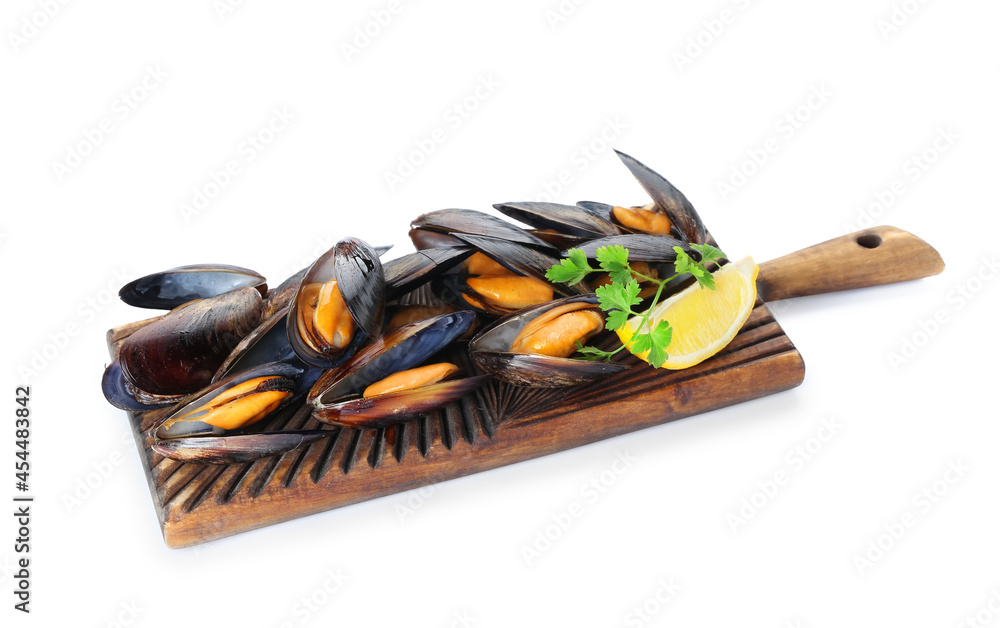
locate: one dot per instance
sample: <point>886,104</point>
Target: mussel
<point>531,347</point>
<point>403,274</point>
<point>180,352</point>
<point>666,199</point>
<point>210,427</point>
<point>232,403</point>
<point>565,219</point>
<point>177,286</point>
<point>340,296</point>
<point>522,285</point>
<point>454,222</point>
<point>380,386</point>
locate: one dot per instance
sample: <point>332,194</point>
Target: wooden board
<point>502,424</point>
<point>498,425</point>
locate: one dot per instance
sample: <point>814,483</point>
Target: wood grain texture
<point>872,257</point>
<point>498,425</point>
<point>502,424</point>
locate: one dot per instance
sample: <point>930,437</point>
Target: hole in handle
<point>869,240</point>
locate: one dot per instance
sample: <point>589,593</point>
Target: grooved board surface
<point>497,425</point>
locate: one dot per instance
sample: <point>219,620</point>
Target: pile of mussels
<point>230,352</point>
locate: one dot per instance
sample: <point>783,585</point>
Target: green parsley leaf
<point>686,264</point>
<point>615,296</point>
<point>593,353</point>
<point>616,320</point>
<point>709,253</point>
<point>640,343</point>
<point>614,261</point>
<point>571,270</point>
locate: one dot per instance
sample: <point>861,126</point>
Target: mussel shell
<point>236,449</point>
<point>406,273</point>
<point>281,297</point>
<point>385,410</point>
<point>284,379</point>
<point>641,247</point>
<point>566,219</point>
<point>491,352</point>
<point>426,239</point>
<point>559,240</point>
<point>355,266</point>
<point>668,199</point>
<point>398,350</point>
<point>522,260</point>
<point>171,288</point>
<point>471,222</point>
<point>601,210</point>
<point>180,352</point>
<point>361,281</point>
<point>118,392</point>
<point>267,343</point>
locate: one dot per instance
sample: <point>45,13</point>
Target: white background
<point>70,239</point>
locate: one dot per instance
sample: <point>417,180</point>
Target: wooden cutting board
<point>502,424</point>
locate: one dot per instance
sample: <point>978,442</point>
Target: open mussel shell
<point>641,247</point>
<point>470,222</point>
<point>361,282</point>
<point>236,449</point>
<point>521,260</point>
<point>232,403</point>
<point>567,219</point>
<point>171,288</point>
<point>668,199</point>
<point>398,350</point>
<point>389,409</point>
<point>491,351</point>
<point>180,352</point>
<point>405,273</point>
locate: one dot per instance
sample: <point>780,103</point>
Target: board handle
<point>871,257</point>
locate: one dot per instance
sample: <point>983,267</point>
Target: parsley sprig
<point>619,297</point>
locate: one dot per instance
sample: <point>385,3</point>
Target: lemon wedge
<point>703,320</point>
